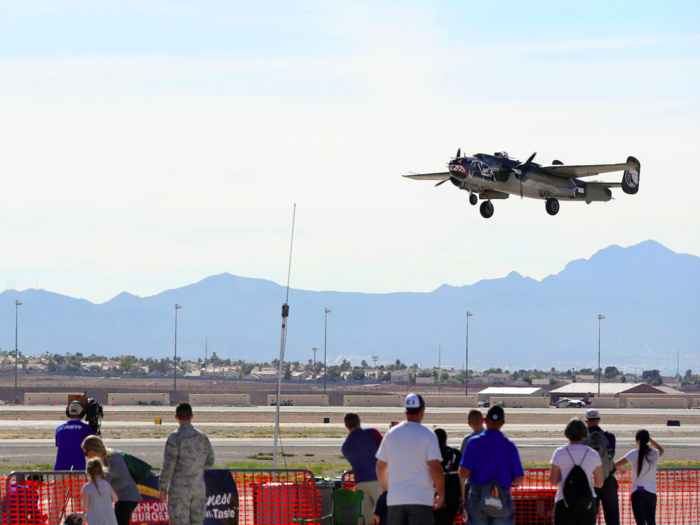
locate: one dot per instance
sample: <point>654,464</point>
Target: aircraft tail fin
<point>630,179</point>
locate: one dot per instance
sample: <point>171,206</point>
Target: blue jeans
<point>476,517</point>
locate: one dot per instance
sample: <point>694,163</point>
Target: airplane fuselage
<point>495,177</point>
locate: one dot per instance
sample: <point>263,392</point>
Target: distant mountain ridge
<point>648,293</point>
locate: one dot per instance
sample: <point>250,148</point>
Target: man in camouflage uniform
<point>188,453</point>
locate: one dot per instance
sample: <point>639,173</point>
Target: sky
<point>147,145</point>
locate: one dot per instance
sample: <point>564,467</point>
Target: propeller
<point>442,181</point>
<point>459,152</point>
<point>520,171</point>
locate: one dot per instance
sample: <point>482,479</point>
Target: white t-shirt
<point>407,448</point>
<point>648,474</point>
<point>583,456</point>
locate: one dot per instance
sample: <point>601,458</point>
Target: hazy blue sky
<point>146,145</point>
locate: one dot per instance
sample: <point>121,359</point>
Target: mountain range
<point>648,293</point>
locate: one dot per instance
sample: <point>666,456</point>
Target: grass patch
<point>268,456</point>
<point>325,469</point>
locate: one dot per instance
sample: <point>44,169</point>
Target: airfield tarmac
<point>241,434</point>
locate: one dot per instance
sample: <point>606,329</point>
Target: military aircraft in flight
<point>498,176</point>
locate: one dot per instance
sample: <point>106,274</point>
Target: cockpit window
<point>501,154</point>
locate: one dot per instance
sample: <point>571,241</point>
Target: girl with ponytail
<point>98,496</point>
<point>644,461</point>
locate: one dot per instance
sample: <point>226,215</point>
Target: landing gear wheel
<point>552,206</point>
<point>486,209</point>
<point>473,199</point>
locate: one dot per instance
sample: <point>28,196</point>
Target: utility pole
<point>18,303</point>
<point>439,370</point>
<point>600,318</point>
<point>206,373</point>
<point>325,337</point>
<point>314,350</point>
<point>177,307</point>
<point>678,366</point>
<point>375,358</point>
<point>466,367</point>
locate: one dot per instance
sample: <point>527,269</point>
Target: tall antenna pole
<point>177,307</point>
<point>678,365</point>
<point>18,303</point>
<point>206,374</point>
<point>283,344</point>
<point>325,338</point>
<point>439,369</point>
<point>314,350</point>
<point>466,367</point>
<point>600,318</point>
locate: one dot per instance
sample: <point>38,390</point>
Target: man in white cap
<point>604,444</point>
<point>69,438</point>
<point>409,466</point>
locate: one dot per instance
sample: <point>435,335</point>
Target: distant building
<point>586,379</point>
<point>498,379</point>
<point>400,376</point>
<point>578,390</point>
<point>425,380</point>
<point>511,391</point>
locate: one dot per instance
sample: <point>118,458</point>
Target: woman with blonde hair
<point>118,477</point>
<point>98,496</point>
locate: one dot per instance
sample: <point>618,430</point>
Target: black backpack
<point>577,488</point>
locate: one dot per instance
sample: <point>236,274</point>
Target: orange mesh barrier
<point>265,497</point>
<point>678,497</point>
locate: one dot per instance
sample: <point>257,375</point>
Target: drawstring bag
<point>138,468</point>
<point>492,501</point>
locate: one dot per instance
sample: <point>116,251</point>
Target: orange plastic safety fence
<point>678,498</point>
<point>266,497</point>
<point>276,497</point>
<point>40,500</point>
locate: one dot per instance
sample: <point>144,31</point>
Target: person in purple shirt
<point>69,438</point>
<point>360,449</point>
<point>489,456</point>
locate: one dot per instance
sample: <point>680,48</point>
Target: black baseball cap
<point>496,414</point>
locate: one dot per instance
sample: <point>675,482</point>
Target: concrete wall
<point>604,402</point>
<point>521,402</point>
<point>219,399</point>
<point>696,401</point>
<point>657,402</point>
<point>450,401</point>
<point>42,398</point>
<point>134,399</point>
<point>373,401</point>
<point>626,398</point>
<point>302,400</point>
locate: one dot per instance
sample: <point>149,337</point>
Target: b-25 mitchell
<point>497,176</point>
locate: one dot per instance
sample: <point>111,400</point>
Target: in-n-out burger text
<point>150,512</point>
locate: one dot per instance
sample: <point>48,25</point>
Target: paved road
<point>341,410</point>
<point>14,453</point>
<point>17,425</point>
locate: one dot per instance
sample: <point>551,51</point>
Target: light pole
<point>466,368</point>
<point>18,303</point>
<point>600,318</point>
<point>314,350</point>
<point>326,311</point>
<point>177,307</point>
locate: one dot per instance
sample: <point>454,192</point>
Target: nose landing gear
<point>473,199</point>
<point>486,209</point>
<point>552,206</point>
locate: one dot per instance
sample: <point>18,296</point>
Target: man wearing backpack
<point>492,465</point>
<point>604,444</point>
<point>576,469</point>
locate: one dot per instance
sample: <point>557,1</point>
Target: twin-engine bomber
<point>498,176</point>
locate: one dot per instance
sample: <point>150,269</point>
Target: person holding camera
<point>118,477</point>
<point>69,437</point>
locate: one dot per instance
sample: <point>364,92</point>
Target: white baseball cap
<point>592,414</point>
<point>413,402</point>
<point>75,408</point>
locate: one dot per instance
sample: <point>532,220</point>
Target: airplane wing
<point>572,172</point>
<point>604,184</point>
<point>428,176</point>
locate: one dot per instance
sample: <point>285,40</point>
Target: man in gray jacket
<point>188,453</point>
